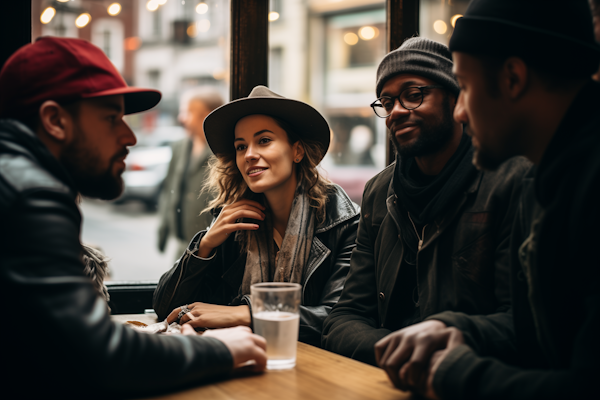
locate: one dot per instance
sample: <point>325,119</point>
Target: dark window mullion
<point>402,21</point>
<point>15,27</point>
<point>249,64</point>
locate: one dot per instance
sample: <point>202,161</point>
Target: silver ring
<point>184,310</point>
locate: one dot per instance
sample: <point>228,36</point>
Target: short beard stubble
<point>433,137</point>
<point>82,163</point>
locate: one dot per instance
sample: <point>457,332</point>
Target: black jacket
<point>217,280</point>
<point>547,346</point>
<point>58,339</point>
<point>462,266</point>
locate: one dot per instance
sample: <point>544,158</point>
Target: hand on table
<point>226,223</point>
<point>243,345</point>
<point>204,315</point>
<point>411,355</point>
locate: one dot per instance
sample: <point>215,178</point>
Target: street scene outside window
<point>323,52</point>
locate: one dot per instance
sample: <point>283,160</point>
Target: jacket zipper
<point>422,237</point>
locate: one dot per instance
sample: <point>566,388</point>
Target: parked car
<point>147,165</point>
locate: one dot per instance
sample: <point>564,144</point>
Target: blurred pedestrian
<point>181,200</point>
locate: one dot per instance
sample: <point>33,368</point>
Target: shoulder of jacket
<point>339,209</point>
<point>518,165</point>
<point>512,171</point>
<point>20,175</point>
<point>376,188</point>
<point>381,180</point>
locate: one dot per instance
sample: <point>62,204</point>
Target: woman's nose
<point>251,153</point>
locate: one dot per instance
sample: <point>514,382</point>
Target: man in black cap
<point>62,134</point>
<point>433,232</point>
<point>524,68</point>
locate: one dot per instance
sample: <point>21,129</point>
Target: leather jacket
<point>63,342</point>
<point>217,280</point>
<point>462,265</point>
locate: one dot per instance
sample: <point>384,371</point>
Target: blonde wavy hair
<point>227,183</point>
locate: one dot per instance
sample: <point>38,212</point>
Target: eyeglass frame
<point>394,98</point>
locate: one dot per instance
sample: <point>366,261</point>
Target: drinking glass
<point>275,313</point>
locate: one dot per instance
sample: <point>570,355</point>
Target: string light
<point>47,15</point>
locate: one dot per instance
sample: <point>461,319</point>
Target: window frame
<point>249,63</point>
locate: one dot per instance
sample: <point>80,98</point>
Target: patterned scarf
<point>263,265</point>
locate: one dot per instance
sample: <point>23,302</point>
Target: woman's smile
<point>264,155</point>
<point>254,172</point>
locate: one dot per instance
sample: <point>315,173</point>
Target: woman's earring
<point>297,160</point>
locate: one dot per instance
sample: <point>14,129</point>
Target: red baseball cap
<point>64,70</point>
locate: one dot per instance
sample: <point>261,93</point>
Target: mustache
<point>121,154</point>
<point>397,124</point>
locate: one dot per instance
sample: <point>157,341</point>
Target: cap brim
<point>308,123</point>
<point>136,99</point>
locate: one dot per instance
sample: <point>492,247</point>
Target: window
<point>109,35</point>
<point>301,39</point>
<point>437,19</point>
<point>151,47</point>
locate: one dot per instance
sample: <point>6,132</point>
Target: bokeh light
<point>454,18</point>
<point>440,27</point>
<point>203,25</point>
<point>114,9</point>
<point>83,20</point>
<point>152,5</point>
<point>351,38</point>
<point>273,16</point>
<point>47,15</point>
<point>368,32</point>
<point>202,8</point>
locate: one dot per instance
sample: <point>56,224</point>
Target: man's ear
<point>514,77</point>
<point>298,151</point>
<point>55,121</point>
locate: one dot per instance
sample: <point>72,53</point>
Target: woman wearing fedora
<point>277,219</point>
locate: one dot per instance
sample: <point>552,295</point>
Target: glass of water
<point>275,312</point>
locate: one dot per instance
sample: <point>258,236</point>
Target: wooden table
<point>318,374</point>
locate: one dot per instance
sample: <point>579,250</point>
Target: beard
<point>433,136</point>
<point>85,167</point>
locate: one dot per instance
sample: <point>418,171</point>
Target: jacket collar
<point>473,188</point>
<point>339,209</point>
<point>17,138</point>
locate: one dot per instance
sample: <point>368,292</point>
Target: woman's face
<point>264,155</point>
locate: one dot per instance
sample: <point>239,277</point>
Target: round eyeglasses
<point>410,98</point>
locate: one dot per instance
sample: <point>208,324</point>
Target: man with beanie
<point>62,134</point>
<point>525,72</point>
<point>433,232</point>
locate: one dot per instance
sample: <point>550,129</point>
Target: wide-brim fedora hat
<point>307,122</point>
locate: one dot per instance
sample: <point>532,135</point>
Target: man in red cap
<point>62,134</point>
<point>524,68</point>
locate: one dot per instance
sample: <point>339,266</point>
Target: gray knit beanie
<point>421,57</point>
